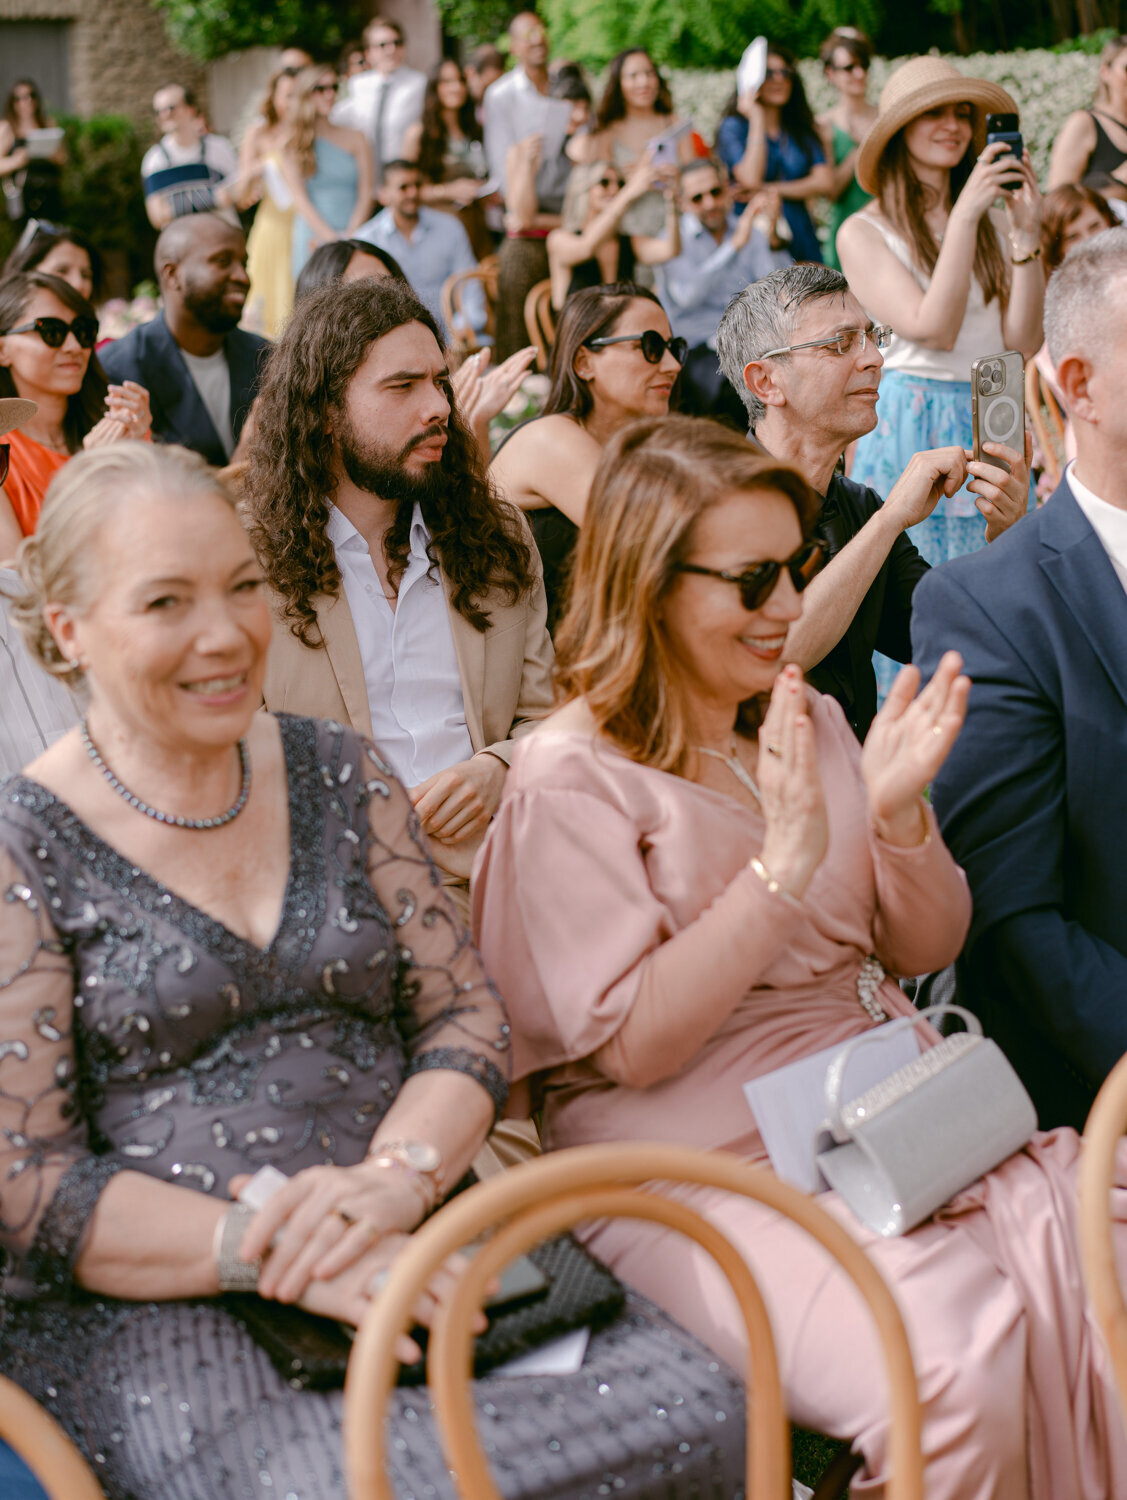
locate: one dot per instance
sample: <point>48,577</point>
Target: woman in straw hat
<point>955,277</point>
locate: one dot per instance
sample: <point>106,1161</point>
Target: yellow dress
<point>270,256</point>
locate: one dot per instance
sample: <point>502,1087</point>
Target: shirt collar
<point>1109,521</point>
<point>344,536</point>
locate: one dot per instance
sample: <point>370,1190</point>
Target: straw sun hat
<point>14,412</point>
<point>920,85</point>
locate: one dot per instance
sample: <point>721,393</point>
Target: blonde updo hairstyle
<point>57,563</point>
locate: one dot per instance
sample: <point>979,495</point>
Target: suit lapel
<point>469,648</point>
<point>343,650</point>
<point>185,416</point>
<point>1079,569</point>
<point>242,362</point>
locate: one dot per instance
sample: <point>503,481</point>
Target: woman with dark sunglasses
<point>770,137</point>
<point>614,360</point>
<point>846,55</point>
<point>47,337</point>
<point>590,247</point>
<point>696,877</point>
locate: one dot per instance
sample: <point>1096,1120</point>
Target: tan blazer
<point>506,672</point>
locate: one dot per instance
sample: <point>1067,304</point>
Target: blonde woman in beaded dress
<point>674,904</point>
<point>267,973</point>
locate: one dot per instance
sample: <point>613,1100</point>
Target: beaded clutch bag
<point>901,1149</point>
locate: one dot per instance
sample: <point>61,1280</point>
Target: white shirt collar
<point>341,532</point>
<point>1109,522</point>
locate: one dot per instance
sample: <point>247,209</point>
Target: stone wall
<point>119,54</point>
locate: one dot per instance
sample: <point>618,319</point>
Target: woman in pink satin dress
<point>675,898</point>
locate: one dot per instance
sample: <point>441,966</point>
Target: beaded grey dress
<point>138,1033</point>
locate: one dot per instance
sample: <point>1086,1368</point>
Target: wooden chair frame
<point>544,1197</point>
<point>1040,400</point>
<point>1102,1134</point>
<point>43,1445</point>
<point>464,340</point>
<point>540,322</point>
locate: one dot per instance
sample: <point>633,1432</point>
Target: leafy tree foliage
<point>207,29</point>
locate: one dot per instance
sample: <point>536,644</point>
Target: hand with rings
<point>324,1220</point>
<point>910,739</point>
<point>794,808</point>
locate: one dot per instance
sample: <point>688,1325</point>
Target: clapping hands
<point>794,807</point>
<point>910,739</point>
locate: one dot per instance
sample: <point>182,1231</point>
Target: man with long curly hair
<point>409,596</point>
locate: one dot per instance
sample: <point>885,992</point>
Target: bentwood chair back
<point>1102,1135</point>
<point>544,1197</point>
<point>44,1446</point>
<point>540,321</point>
<point>462,339</point>
<point>1047,421</point>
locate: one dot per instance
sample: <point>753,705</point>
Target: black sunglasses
<point>5,453</point>
<point>53,331</point>
<point>653,345</point>
<point>712,192</point>
<point>757,583</point>
<point>609,182</point>
<point>324,88</point>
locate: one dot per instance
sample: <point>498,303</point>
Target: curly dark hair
<point>479,540</point>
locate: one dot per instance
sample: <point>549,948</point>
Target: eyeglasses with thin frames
<point>757,582</point>
<point>845,341</point>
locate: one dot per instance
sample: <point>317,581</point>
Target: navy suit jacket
<point>151,356</point>
<point>1033,798</point>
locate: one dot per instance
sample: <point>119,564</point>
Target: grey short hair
<point>763,317</point>
<point>1078,318</point>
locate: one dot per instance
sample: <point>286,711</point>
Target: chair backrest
<point>1102,1135</point>
<point>1047,421</point>
<point>44,1446</point>
<point>546,1196</point>
<point>540,320</point>
<point>463,340</point>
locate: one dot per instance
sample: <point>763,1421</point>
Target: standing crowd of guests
<point>384,801</point>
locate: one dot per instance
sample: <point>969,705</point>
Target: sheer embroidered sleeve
<point>49,1179</point>
<point>450,1014</point>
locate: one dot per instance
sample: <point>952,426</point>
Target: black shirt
<point>884,614</point>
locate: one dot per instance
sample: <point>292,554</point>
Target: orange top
<point>31,467</point>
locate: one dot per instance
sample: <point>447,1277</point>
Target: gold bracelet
<point>1024,260</point>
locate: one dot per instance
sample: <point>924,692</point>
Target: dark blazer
<point>1033,798</point>
<point>150,355</point>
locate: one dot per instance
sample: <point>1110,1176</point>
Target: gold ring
<point>776,750</point>
<point>344,1216</point>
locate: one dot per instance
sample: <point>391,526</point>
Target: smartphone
<point>1004,128</point>
<point>521,1281</point>
<point>997,399</point>
<point>663,148</point>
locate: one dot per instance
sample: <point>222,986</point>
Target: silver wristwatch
<point>235,1275</point>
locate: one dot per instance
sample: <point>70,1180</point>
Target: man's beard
<point>378,471</point>
<point>212,312</point>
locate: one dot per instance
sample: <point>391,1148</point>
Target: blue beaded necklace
<point>162,817</point>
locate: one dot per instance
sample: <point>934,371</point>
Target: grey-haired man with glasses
<point>805,359</point>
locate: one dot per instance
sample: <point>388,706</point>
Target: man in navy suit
<point>1033,798</point>
<point>200,368</point>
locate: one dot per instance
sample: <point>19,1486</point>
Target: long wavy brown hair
<point>303,139</point>
<point>904,202</point>
<point>478,539</point>
<point>655,480</point>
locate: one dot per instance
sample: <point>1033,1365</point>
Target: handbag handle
<point>835,1073</point>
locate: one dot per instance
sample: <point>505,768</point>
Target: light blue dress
<point>332,191</point>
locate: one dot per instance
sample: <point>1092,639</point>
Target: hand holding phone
<point>1003,128</point>
<point>997,393</point>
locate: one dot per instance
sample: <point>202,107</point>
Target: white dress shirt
<point>1109,522</point>
<point>35,708</point>
<point>438,249</point>
<point>410,665</point>
<point>394,100</point>
<point>514,108</point>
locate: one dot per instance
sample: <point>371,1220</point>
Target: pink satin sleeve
<point>575,937</point>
